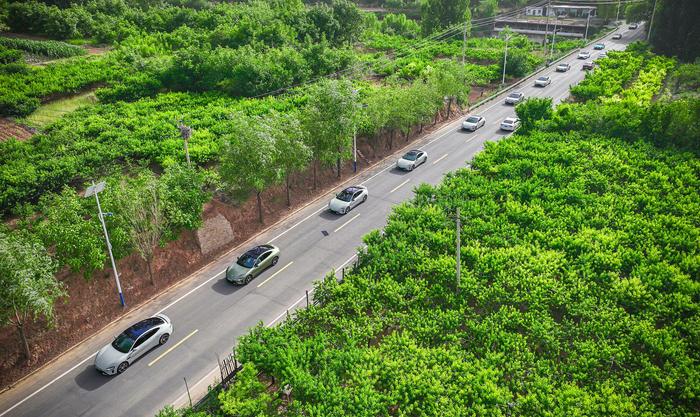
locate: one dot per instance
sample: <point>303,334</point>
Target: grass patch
<point>50,112</point>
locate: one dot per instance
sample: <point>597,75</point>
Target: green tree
<point>532,111</point>
<point>329,117</point>
<point>293,155</point>
<point>675,29</point>
<point>142,209</point>
<point>28,288</point>
<point>69,224</point>
<point>249,158</point>
<point>248,397</point>
<point>439,14</point>
<point>183,194</point>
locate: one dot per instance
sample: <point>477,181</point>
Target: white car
<point>348,199</point>
<point>584,55</point>
<point>617,36</point>
<point>412,159</point>
<point>133,343</point>
<point>510,123</point>
<point>543,81</point>
<point>473,122</point>
<point>563,67</point>
<point>515,98</point>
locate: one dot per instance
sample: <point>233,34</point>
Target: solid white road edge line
<point>346,223</point>
<point>399,186</point>
<point>440,159</point>
<point>173,347</point>
<point>275,274</point>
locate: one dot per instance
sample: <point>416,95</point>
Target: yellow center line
<point>440,159</point>
<point>399,186</point>
<point>346,223</point>
<point>173,347</point>
<point>275,274</point>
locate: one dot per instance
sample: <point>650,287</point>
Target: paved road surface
<point>209,313</point>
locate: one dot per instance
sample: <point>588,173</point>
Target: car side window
<point>264,256</point>
<point>145,337</point>
<point>357,195</point>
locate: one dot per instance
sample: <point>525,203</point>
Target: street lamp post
<point>95,189</point>
<point>186,132</point>
<point>651,22</point>
<point>554,37</point>
<point>588,19</point>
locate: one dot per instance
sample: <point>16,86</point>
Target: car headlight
<point>110,369</point>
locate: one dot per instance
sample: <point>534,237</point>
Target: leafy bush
<point>51,49</point>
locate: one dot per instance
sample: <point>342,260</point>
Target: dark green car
<point>252,263</point>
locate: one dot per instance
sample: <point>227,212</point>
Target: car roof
<point>258,250</point>
<point>414,151</point>
<point>516,93</point>
<point>510,119</point>
<point>543,77</point>
<point>142,327</point>
<point>353,189</point>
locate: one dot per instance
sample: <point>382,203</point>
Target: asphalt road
<point>209,314</point>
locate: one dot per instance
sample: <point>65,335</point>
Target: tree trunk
<point>420,129</point>
<point>22,337</point>
<point>149,264</point>
<point>337,164</point>
<point>449,108</point>
<point>314,164</point>
<point>260,213</point>
<point>435,119</point>
<point>391,138</point>
<point>286,181</point>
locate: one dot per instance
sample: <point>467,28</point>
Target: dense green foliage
<point>579,295</point>
<point>51,49</point>
<point>21,93</point>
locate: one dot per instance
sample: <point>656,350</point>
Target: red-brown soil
<point>10,129</point>
<point>91,304</point>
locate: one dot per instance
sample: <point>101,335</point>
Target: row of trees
<point>145,212</point>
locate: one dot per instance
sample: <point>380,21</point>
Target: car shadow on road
<point>224,287</point>
<point>329,215</point>
<point>91,379</point>
<point>398,171</point>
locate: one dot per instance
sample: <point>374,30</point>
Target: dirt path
<point>10,129</point>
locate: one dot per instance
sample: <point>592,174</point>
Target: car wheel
<point>248,278</point>
<point>410,168</point>
<point>122,367</point>
<point>274,260</point>
<point>364,198</point>
<point>163,339</point>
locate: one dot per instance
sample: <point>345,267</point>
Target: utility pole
<point>354,146</point>
<point>459,250</point>
<point>186,132</point>
<point>546,27</point>
<point>464,42</point>
<point>651,22</point>
<point>505,61</point>
<point>588,19</point>
<point>96,189</point>
<point>617,17</point>
<point>554,37</point>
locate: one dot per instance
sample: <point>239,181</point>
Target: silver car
<point>543,81</point>
<point>252,263</point>
<point>473,122</point>
<point>133,343</point>
<point>515,98</point>
<point>563,67</point>
<point>510,124</point>
<point>412,159</point>
<point>584,55</point>
<point>348,199</point>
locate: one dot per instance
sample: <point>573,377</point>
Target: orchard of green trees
<point>579,292</point>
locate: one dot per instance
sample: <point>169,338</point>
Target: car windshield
<point>514,95</point>
<point>123,343</point>
<point>410,156</point>
<point>345,195</point>
<point>246,261</point>
<point>473,119</point>
<point>509,121</point>
<point>542,79</point>
<point>563,65</point>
